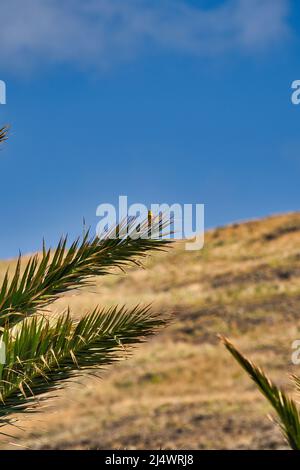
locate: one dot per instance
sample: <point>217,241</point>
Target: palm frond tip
<point>285,407</point>
<point>3,134</point>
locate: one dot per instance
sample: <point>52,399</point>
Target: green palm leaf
<point>42,356</point>
<point>285,407</point>
<point>44,278</point>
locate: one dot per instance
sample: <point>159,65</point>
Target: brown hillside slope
<point>183,390</point>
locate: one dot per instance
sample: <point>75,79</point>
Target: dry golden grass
<point>182,390</point>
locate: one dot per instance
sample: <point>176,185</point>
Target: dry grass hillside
<point>182,389</point>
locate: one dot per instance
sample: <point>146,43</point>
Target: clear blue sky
<point>163,101</point>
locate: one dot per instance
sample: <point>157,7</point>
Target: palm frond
<point>47,276</point>
<point>42,356</point>
<point>3,134</point>
<point>285,407</point>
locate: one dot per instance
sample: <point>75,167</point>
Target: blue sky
<point>163,101</point>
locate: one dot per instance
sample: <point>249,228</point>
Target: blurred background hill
<point>182,389</point>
